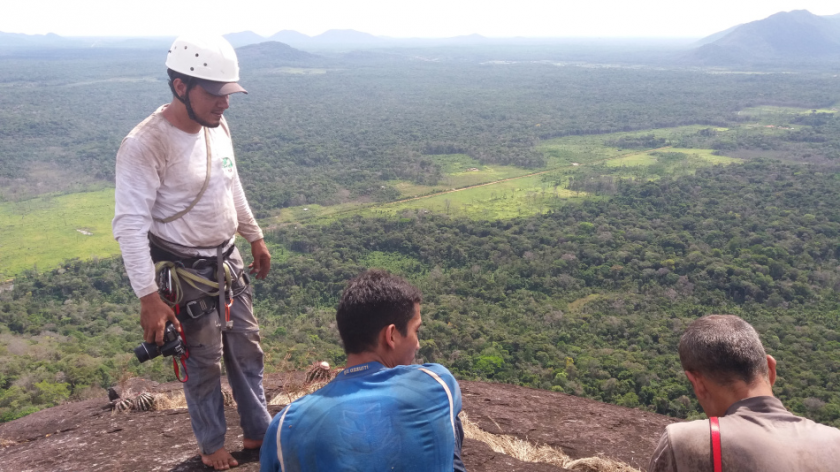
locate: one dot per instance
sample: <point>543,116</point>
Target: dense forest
<point>344,127</point>
<point>588,299</point>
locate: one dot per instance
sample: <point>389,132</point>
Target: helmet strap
<point>186,98</point>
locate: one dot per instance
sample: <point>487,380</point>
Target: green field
<point>769,111</point>
<point>470,189</point>
<point>649,159</point>
<point>508,199</point>
<point>44,231</point>
<point>568,150</point>
<point>459,171</point>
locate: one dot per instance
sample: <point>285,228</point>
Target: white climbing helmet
<point>209,58</point>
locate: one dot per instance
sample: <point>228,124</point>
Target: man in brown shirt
<point>733,378</point>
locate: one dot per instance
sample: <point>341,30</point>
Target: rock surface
<point>579,426</point>
<point>87,436</point>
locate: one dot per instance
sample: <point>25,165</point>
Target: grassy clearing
<point>461,171</point>
<point>45,231</point>
<point>692,156</point>
<point>500,192</point>
<point>509,199</point>
<point>562,152</point>
<point>311,213</point>
<point>633,160</point>
<point>771,111</point>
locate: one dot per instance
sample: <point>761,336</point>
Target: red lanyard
<point>182,359</point>
<point>717,461</point>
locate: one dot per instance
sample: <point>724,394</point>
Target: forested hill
<point>589,299</point>
<point>273,54</point>
<point>786,37</point>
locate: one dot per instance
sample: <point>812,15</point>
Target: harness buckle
<point>199,308</point>
<point>200,264</point>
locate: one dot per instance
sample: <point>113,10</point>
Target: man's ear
<point>388,337</point>
<point>697,381</point>
<point>771,369</point>
<point>180,87</point>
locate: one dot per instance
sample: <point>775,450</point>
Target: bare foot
<point>219,460</point>
<point>251,443</point>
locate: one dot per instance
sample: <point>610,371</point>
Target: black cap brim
<point>220,88</point>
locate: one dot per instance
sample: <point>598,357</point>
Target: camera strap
<point>181,359</point>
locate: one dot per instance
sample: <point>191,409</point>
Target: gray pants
<point>208,341</point>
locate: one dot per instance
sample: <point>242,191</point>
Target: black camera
<point>172,346</point>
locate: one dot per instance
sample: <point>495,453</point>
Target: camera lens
<point>146,351</point>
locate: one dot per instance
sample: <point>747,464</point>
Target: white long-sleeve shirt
<point>160,171</point>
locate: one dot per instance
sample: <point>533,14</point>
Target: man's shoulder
<point>438,370</point>
<point>154,126</point>
<point>684,430</point>
<point>432,376</point>
<point>810,427</point>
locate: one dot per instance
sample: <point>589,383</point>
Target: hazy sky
<point>397,18</point>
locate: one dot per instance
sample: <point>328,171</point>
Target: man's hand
<point>154,314</point>
<point>262,259</point>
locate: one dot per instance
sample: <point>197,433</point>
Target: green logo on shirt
<point>227,164</point>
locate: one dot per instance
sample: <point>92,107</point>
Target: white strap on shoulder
<point>279,443</point>
<point>448,395</point>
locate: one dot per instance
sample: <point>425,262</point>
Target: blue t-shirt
<point>371,418</point>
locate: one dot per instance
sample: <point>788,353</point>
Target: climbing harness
<point>176,274</point>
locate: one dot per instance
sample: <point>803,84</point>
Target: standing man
<point>179,204</point>
<point>749,429</point>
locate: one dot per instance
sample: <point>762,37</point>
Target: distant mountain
<point>336,36</point>
<point>272,54</point>
<point>34,40</point>
<point>289,37</point>
<point>470,39</point>
<point>714,37</point>
<point>244,38</point>
<point>156,43</point>
<point>795,36</point>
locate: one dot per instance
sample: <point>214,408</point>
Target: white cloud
<point>398,18</point>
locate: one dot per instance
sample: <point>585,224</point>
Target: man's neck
<point>728,396</point>
<point>176,114</point>
<point>363,358</point>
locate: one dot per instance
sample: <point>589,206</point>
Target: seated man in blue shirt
<point>381,413</point>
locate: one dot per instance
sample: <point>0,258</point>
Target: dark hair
<point>173,74</point>
<point>724,348</point>
<point>371,301</point>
